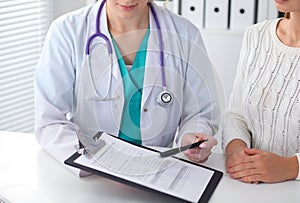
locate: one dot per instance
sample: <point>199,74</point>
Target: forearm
<point>54,132</point>
<point>59,141</point>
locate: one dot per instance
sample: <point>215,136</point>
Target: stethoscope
<point>164,98</point>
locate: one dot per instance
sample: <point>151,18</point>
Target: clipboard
<point>186,171</point>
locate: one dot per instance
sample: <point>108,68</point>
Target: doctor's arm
<point>201,109</point>
<point>54,81</point>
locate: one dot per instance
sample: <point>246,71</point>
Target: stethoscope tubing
<point>110,50</point>
<point>161,48</point>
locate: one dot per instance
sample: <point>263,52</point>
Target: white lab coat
<point>63,85</point>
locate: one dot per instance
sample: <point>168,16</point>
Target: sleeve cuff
<point>298,157</point>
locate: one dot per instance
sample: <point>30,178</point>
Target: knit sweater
<point>264,108</point>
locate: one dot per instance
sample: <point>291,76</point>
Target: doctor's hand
<point>198,154</point>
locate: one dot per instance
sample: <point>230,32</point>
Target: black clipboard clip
<point>87,145</point>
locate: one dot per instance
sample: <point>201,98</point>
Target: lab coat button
<point>145,109</point>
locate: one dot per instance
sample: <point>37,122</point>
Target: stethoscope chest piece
<point>165,98</point>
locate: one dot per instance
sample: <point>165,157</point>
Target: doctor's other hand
<point>198,154</point>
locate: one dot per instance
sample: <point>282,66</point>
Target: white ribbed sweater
<point>264,108</point>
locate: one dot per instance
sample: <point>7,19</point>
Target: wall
<point>223,49</point>
<point>223,45</point>
<point>63,6</point>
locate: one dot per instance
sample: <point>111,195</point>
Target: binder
<point>266,10</point>
<point>272,12</point>
<point>216,14</point>
<point>194,11</point>
<point>176,6</point>
<point>141,167</point>
<point>242,14</point>
<point>262,10</point>
<point>88,2</point>
<point>166,4</point>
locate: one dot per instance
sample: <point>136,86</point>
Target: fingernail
<point>203,145</point>
<point>187,152</point>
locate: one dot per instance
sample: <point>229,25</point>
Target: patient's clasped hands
<point>254,166</point>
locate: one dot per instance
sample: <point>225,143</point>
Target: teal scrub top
<point>133,88</point>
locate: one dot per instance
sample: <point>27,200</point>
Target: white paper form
<point>147,168</point>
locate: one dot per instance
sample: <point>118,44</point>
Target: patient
<point>261,137</point>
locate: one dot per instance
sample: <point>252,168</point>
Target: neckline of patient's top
<point>277,42</point>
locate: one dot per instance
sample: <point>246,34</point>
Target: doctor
<point>128,68</point>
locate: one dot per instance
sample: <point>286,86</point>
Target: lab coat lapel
<point>116,88</point>
<point>101,42</point>
<point>104,29</point>
<point>153,70</point>
<point>116,83</point>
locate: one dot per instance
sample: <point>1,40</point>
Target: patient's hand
<point>253,166</point>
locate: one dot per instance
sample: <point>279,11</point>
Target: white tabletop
<point>26,169</point>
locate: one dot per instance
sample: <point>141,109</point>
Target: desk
<point>24,163</point>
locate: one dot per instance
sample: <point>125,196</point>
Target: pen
<point>177,150</point>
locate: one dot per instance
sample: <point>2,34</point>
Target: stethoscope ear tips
<point>165,98</point>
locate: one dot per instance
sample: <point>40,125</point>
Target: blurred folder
<point>194,11</point>
<point>242,14</point>
<point>263,8</point>
<point>216,14</point>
